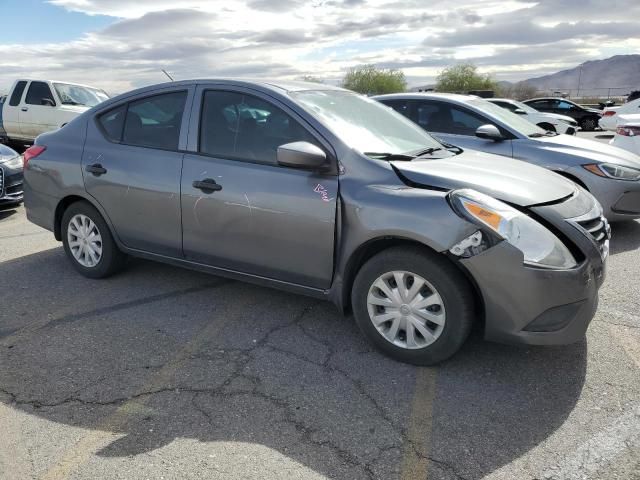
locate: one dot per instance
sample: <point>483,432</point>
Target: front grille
<point>598,228</point>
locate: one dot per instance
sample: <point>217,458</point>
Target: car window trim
<point>331,156</point>
<point>98,115</point>
<point>55,104</point>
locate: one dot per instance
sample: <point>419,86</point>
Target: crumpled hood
<point>590,150</point>
<point>512,181</point>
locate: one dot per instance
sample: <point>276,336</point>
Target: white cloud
<point>291,38</point>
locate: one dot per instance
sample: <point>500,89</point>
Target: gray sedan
<point>326,193</point>
<point>611,174</point>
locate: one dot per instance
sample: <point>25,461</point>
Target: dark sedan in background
<point>10,177</point>
<point>586,117</point>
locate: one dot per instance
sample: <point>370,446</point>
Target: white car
<point>628,133</point>
<point>37,106</point>
<point>611,115</point>
<point>549,121</point>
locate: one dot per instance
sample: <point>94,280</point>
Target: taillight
<point>32,152</point>
<point>609,113</point>
<point>627,131</point>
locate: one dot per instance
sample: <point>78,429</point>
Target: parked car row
<point>551,122</point>
<point>324,192</point>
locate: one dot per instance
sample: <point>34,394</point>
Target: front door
<point>256,217</point>
<point>132,165</point>
<point>456,125</point>
<point>38,113</point>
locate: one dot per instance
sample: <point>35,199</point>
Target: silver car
<point>323,192</point>
<point>611,174</point>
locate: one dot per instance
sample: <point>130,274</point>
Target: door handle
<point>96,169</point>
<point>208,185</point>
<point>24,109</point>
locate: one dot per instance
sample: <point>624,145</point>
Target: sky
<point>121,44</point>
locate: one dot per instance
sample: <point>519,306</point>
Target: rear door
<point>131,164</point>
<point>262,219</point>
<point>11,111</point>
<point>38,111</point>
<point>457,125</point>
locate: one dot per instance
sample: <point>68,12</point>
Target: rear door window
<point>400,106</point>
<point>16,96</point>
<point>445,118</point>
<point>154,121</point>
<point>39,93</point>
<point>243,127</point>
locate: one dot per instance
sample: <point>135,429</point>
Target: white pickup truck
<point>33,107</point>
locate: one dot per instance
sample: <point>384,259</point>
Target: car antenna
<point>165,72</point>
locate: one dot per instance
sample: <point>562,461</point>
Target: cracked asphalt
<point>164,373</point>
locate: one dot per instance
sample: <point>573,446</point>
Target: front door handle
<point>208,185</point>
<point>96,169</point>
<point>24,109</point>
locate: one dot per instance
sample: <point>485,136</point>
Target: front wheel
<point>413,304</point>
<point>589,124</point>
<point>88,242</point>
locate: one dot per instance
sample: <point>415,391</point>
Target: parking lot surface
<point>165,373</point>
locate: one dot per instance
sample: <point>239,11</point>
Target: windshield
<point>524,106</point>
<point>77,95</point>
<point>364,124</point>
<point>512,120</point>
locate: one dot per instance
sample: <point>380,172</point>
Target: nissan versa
<point>611,174</point>
<point>324,192</point>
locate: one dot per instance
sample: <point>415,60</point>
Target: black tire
<point>588,124</point>
<point>547,126</point>
<point>452,286</point>
<point>112,259</point>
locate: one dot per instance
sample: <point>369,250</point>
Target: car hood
<point>590,150</point>
<point>509,180</point>
<point>75,108</point>
<point>557,116</point>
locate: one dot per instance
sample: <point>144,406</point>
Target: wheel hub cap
<point>406,309</point>
<point>85,241</point>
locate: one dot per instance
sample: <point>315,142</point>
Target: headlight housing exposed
<point>613,170</point>
<point>14,163</point>
<point>541,248</point>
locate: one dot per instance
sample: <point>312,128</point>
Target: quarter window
<point>16,96</point>
<point>154,121</point>
<point>112,123</point>
<point>39,93</point>
<point>243,127</point>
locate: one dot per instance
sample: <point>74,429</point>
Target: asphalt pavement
<point>165,373</point>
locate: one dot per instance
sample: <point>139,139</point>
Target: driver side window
<point>446,118</point>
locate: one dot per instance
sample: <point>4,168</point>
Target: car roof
<point>453,97</point>
<point>548,98</point>
<point>57,81</point>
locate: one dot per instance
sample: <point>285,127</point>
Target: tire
<point>452,305</point>
<point>547,126</point>
<point>110,259</point>
<point>589,124</point>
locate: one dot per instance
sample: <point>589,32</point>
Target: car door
<point>456,125</point>
<point>12,110</point>
<point>543,105</point>
<point>257,217</point>
<point>132,162</point>
<point>38,112</point>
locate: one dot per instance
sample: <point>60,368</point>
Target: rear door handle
<point>96,169</point>
<point>208,185</point>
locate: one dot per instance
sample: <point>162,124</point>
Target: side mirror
<point>47,102</point>
<point>519,111</point>
<point>303,155</point>
<point>489,132</point>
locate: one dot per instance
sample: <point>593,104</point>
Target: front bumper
<point>539,306</point>
<point>11,183</point>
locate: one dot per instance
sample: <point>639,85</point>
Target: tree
<point>369,80</point>
<point>518,91</point>
<point>462,78</point>
<point>311,78</point>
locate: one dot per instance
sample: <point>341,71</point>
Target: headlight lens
<point>541,248</point>
<point>14,163</point>
<point>613,170</point>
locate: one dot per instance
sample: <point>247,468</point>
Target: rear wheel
<point>413,304</point>
<point>589,123</point>
<point>88,242</point>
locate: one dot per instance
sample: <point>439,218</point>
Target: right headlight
<point>613,170</point>
<point>541,248</point>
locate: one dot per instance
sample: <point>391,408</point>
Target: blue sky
<point>120,44</point>
<point>36,21</point>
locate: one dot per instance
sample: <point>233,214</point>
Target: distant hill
<point>616,76</point>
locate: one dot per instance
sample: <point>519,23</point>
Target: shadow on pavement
<point>625,236</point>
<point>6,212</point>
<point>158,353</point>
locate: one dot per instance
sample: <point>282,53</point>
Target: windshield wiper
<point>389,156</point>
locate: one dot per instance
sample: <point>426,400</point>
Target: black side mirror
<point>489,132</point>
<point>47,102</point>
<point>519,111</point>
<point>303,155</point>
